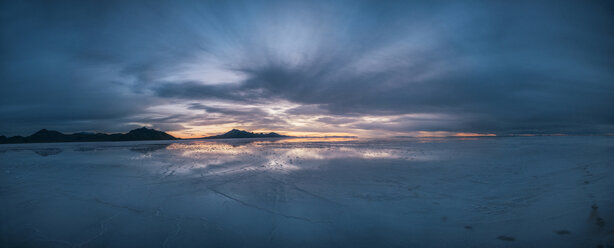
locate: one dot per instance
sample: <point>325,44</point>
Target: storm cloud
<point>308,66</point>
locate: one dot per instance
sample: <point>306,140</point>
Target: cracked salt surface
<point>478,192</point>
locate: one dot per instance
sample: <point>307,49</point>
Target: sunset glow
<point>306,123</point>
<point>308,68</point>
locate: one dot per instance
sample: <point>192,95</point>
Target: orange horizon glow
<point>183,135</point>
<point>474,135</point>
<point>418,134</point>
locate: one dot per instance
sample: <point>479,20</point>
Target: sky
<point>364,68</point>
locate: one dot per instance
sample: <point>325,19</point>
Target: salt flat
<point>430,192</point>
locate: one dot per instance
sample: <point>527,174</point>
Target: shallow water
<point>449,192</point>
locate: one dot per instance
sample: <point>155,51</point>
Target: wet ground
<point>448,192</point>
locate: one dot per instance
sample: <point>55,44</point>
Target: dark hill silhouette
<point>45,135</point>
<point>48,136</point>
<point>235,134</point>
<point>147,134</point>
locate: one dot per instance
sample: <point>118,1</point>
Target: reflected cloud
<point>317,139</point>
<point>280,156</point>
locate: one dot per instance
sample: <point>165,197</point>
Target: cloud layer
<point>358,67</point>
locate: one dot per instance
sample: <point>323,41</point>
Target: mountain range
<point>45,136</point>
<point>235,133</point>
<point>50,136</point>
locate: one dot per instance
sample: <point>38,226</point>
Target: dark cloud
<point>233,111</point>
<point>502,67</point>
<point>194,90</point>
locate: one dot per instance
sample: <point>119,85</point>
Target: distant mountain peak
<point>142,129</point>
<point>45,135</point>
<point>145,133</point>
<point>45,131</point>
<point>236,133</point>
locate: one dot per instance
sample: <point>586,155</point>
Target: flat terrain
<point>478,192</point>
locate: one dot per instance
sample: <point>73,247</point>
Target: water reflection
<point>281,155</point>
<point>282,193</point>
<point>222,146</point>
<point>145,149</point>
<point>41,151</point>
<point>47,151</point>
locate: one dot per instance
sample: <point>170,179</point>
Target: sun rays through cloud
<point>309,68</point>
